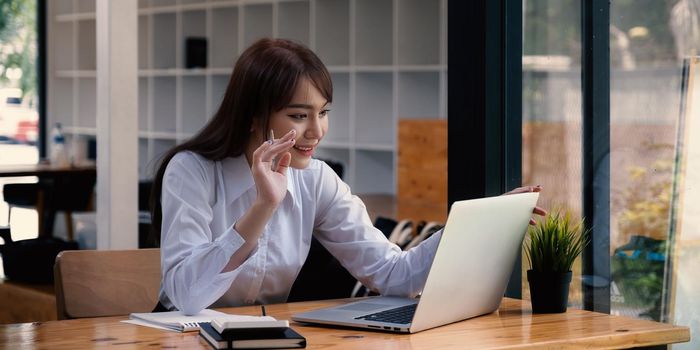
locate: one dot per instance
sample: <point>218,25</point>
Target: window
<point>651,248</point>
<point>551,123</point>
<point>19,119</point>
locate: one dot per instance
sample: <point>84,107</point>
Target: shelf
<point>374,172</point>
<point>87,102</point>
<point>74,17</point>
<point>384,57</point>
<point>144,42</point>
<point>373,109</point>
<point>380,147</point>
<point>156,135</point>
<point>85,6</point>
<point>293,21</point>
<point>62,7</point>
<point>160,146</point>
<point>339,116</point>
<point>373,31</point>
<point>164,103</point>
<point>223,49</point>
<point>164,48</point>
<point>80,131</point>
<point>341,156</point>
<point>328,144</point>
<point>62,101</point>
<point>218,88</point>
<point>144,103</point>
<point>65,51</point>
<point>333,46</point>
<point>193,104</point>
<point>419,95</point>
<point>419,32</point>
<point>144,158</point>
<point>193,26</point>
<point>257,23</point>
<point>87,47</point>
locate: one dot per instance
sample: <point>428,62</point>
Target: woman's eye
<point>298,116</point>
<point>324,112</point>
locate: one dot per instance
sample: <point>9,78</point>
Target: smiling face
<point>307,113</point>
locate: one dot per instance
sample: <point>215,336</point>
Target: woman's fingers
<point>539,211</point>
<point>276,149</point>
<point>270,149</point>
<point>283,163</point>
<point>257,154</point>
<point>525,189</point>
<point>279,145</point>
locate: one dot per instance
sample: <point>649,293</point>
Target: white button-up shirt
<point>201,201</point>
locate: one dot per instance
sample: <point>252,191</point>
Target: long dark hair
<point>263,81</point>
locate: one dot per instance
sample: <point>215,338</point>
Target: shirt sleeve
<point>343,226</point>
<point>191,259</point>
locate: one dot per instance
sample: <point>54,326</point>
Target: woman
<point>239,207</point>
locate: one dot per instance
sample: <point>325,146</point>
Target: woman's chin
<point>298,163</point>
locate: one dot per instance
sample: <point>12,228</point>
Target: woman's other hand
<point>525,189</point>
<point>270,163</point>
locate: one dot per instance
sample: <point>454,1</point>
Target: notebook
<point>252,338</point>
<point>176,320</point>
<point>468,276</point>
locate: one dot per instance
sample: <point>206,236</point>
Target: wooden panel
<point>512,327</point>
<point>93,283</point>
<point>21,302</point>
<point>422,173</point>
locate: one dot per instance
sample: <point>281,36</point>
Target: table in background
<point>44,172</point>
<point>513,326</point>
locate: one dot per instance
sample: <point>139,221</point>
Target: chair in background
<point>146,239</point>
<point>67,193</point>
<point>94,283</point>
<point>25,195</point>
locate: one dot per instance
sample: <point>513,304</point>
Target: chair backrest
<point>72,192</point>
<point>92,283</point>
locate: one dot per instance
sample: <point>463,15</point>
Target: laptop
<point>468,277</point>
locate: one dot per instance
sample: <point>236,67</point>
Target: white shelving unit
<point>387,59</point>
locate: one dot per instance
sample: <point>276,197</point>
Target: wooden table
<point>512,327</point>
<point>24,302</point>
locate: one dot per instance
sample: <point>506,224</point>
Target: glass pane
<point>648,41</point>
<point>552,111</point>
<point>18,107</point>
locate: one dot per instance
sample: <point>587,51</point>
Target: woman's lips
<point>307,151</point>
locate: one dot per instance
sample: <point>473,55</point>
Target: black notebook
<point>252,338</point>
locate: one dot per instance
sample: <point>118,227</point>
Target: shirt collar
<point>239,178</point>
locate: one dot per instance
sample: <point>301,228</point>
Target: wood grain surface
<point>513,326</point>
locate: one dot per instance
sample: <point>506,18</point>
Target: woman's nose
<point>314,129</point>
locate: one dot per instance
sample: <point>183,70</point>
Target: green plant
<point>555,242</point>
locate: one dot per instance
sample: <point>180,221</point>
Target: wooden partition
<point>422,170</point>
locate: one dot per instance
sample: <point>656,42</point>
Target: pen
<point>271,141</point>
<point>263,310</point>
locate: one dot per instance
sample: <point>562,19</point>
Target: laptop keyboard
<point>399,315</point>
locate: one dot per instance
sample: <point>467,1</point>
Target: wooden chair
<point>93,283</point>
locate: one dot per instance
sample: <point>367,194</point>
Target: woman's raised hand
<point>270,163</point>
<point>538,211</point>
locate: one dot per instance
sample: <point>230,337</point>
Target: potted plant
<point>553,245</point>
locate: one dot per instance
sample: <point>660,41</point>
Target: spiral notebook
<point>175,320</point>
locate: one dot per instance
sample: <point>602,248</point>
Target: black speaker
<point>196,53</point>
